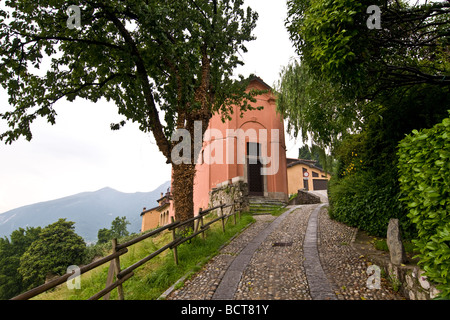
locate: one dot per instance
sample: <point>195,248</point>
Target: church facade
<point>249,149</point>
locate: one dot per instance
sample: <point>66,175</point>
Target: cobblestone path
<point>271,260</point>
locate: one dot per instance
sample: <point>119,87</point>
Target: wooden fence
<point>119,249</point>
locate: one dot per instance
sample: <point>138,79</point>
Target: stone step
<point>267,206</point>
<point>266,201</point>
<point>263,199</point>
<point>264,208</point>
<point>273,204</point>
<point>260,213</point>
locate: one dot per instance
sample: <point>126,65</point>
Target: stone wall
<point>414,285</point>
<point>228,192</point>
<point>304,197</point>
<point>408,278</point>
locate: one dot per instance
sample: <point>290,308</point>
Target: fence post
<point>233,207</point>
<point>223,220</point>
<point>201,222</point>
<point>110,278</point>
<point>114,269</point>
<point>117,269</point>
<point>175,250</point>
<point>240,208</point>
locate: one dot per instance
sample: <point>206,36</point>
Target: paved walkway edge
<point>319,286</point>
<point>230,281</point>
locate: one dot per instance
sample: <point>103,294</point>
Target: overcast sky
<point>80,152</point>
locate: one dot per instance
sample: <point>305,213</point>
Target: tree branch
<point>152,113</point>
<point>87,41</point>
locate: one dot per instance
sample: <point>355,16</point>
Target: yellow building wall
<point>295,177</point>
<point>150,220</point>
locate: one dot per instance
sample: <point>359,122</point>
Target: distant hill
<point>90,211</point>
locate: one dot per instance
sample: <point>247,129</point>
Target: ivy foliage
<point>424,167</point>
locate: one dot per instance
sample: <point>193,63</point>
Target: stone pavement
<point>300,255</point>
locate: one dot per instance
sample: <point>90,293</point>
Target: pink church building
<point>249,149</point>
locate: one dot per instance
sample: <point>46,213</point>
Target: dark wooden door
<point>305,184</point>
<point>255,181</point>
<point>254,177</point>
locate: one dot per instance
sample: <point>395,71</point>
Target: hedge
<point>424,175</point>
<point>367,202</point>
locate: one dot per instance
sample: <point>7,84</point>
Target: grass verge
<point>154,277</point>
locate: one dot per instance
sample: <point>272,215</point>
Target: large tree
<point>118,230</point>
<point>339,40</point>
<point>314,107</point>
<point>165,65</point>
<point>348,70</point>
<point>11,250</point>
<point>119,227</point>
<point>57,247</point>
<point>364,80</point>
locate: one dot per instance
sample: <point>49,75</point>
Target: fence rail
<point>120,249</point>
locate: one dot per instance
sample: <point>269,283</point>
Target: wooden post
<point>234,212</point>
<point>240,209</point>
<point>223,222</point>
<point>114,269</point>
<point>117,269</point>
<point>175,250</point>
<point>196,225</point>
<point>201,222</point>
<point>110,278</point>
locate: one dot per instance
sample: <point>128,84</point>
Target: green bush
<point>424,167</point>
<point>367,202</point>
<point>56,248</point>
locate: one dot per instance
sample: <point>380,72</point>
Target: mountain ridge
<point>90,210</point>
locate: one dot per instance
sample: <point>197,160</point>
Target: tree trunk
<point>183,191</point>
<point>183,174</point>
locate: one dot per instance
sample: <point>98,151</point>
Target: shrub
<point>57,247</point>
<point>424,167</point>
<point>367,202</point>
